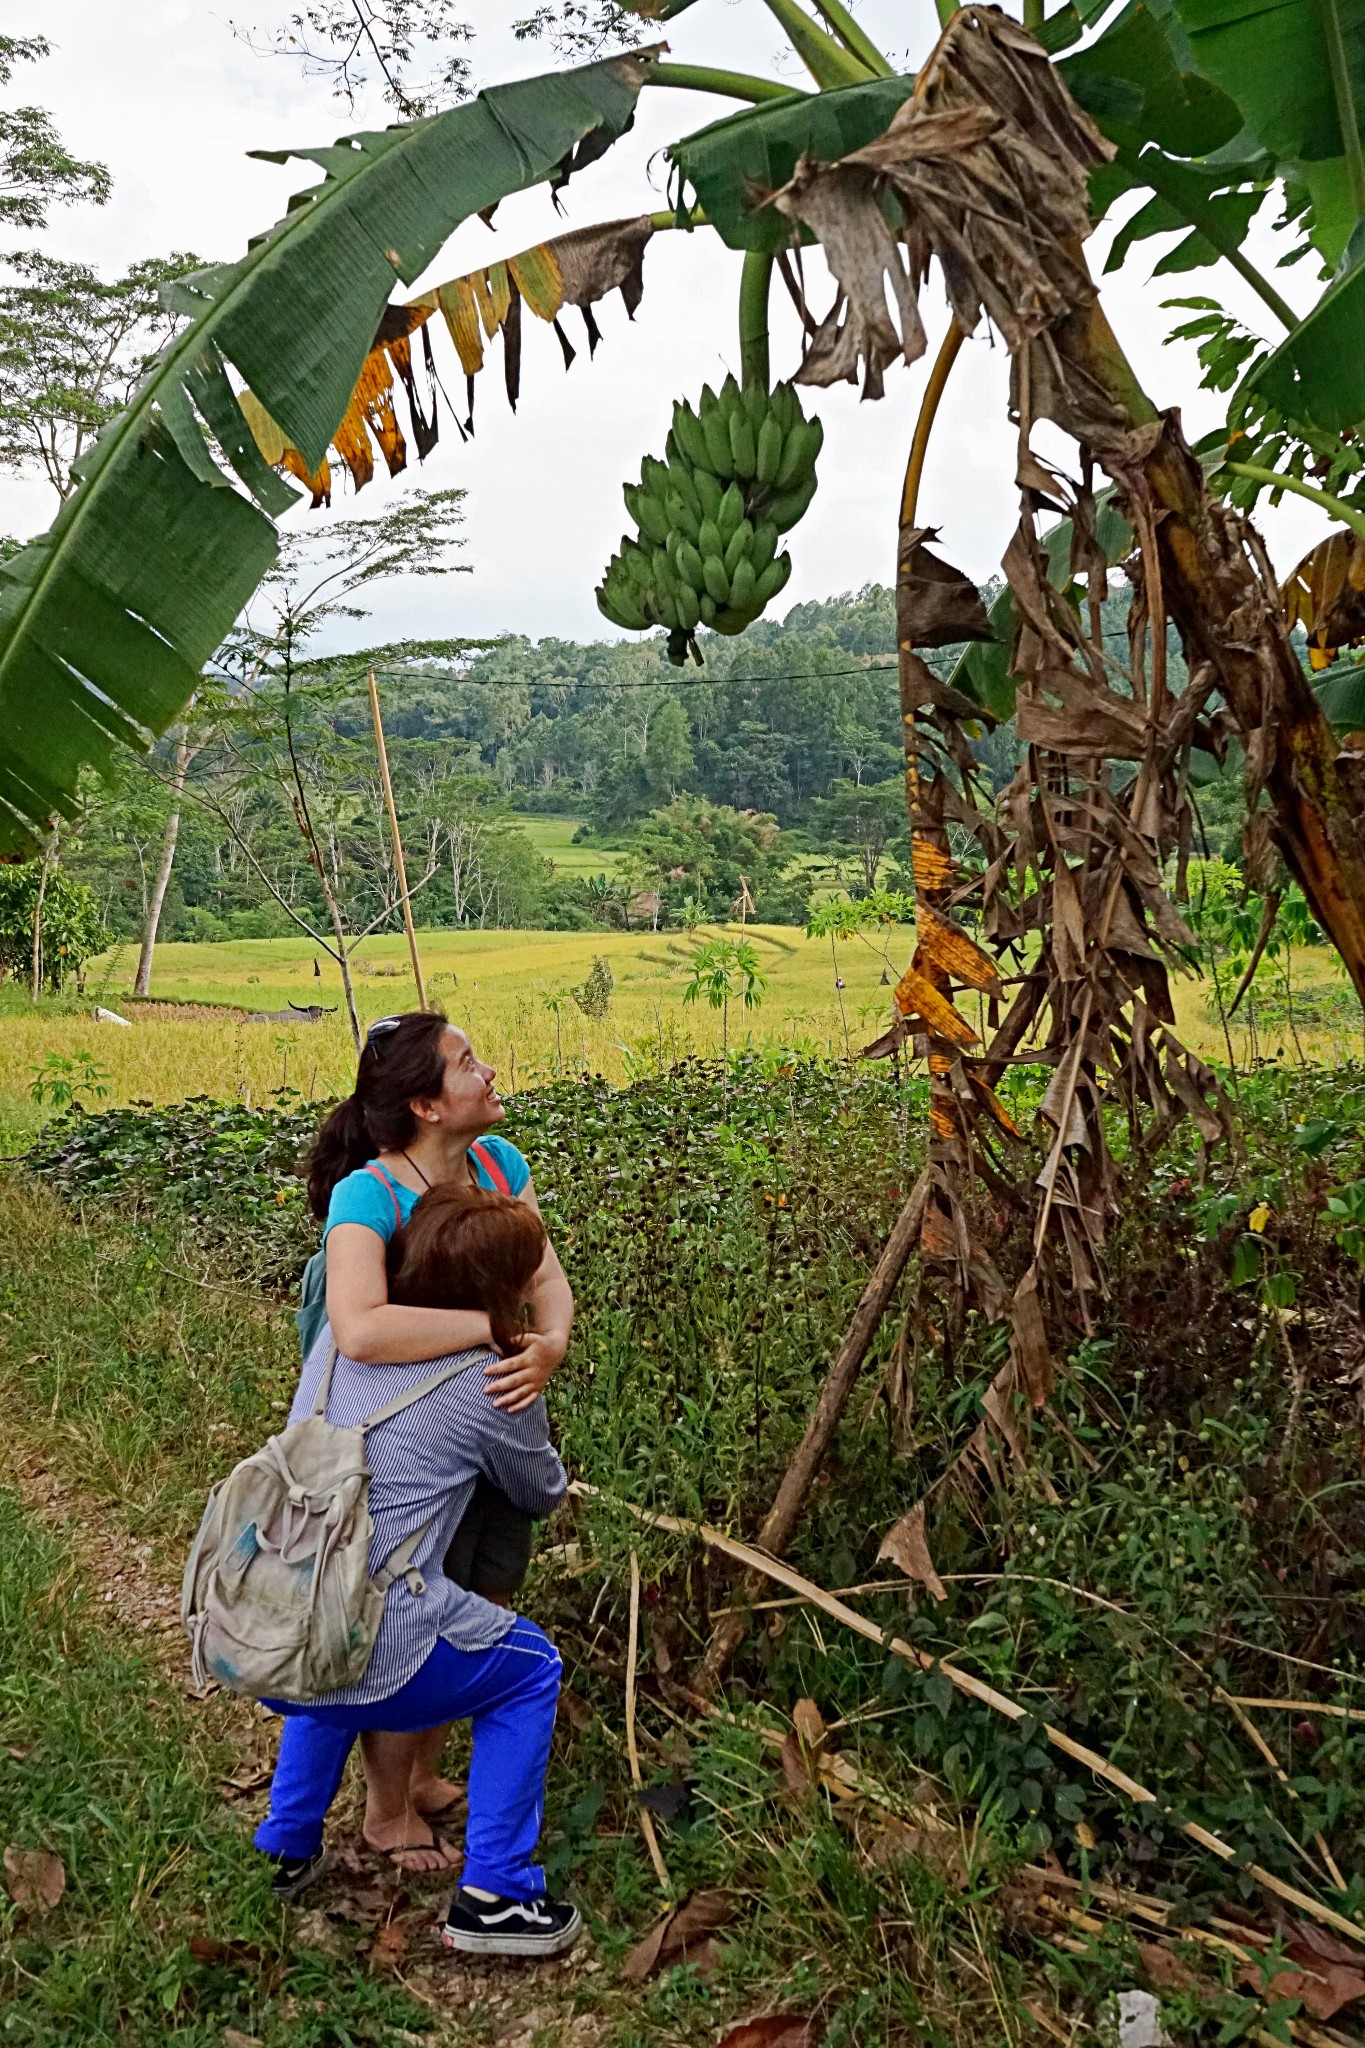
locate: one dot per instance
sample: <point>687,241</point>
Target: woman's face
<point>468,1101</point>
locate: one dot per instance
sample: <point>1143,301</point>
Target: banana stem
<point>924,425</point>
<point>854,38</point>
<point>1279,482</point>
<point>946,9</point>
<point>753,318</point>
<point>828,62</point>
<point>732,85</point>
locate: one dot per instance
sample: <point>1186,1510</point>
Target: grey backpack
<point>278,1600</point>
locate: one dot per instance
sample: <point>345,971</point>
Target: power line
<point>690,683</point>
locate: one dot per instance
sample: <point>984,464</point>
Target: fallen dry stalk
<point>964,1682</point>
<point>647,1829</point>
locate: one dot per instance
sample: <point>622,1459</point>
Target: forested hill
<point>773,719</point>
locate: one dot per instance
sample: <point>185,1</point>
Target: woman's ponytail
<point>341,1147</point>
<point>403,1062</point>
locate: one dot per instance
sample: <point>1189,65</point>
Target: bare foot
<point>432,1796</point>
<point>409,1843</point>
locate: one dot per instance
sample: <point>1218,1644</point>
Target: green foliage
<point>109,617</point>
<point>726,971</point>
<point>37,171</point>
<point>64,1079</point>
<point>593,996</point>
<point>710,854</point>
<point>731,161</point>
<point>72,928</point>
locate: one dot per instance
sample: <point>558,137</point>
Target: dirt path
<point>363,1910</point>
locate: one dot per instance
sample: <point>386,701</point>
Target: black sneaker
<point>294,1874</point>
<point>510,1927</point>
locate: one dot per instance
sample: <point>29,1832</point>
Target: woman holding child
<point>435,1255</point>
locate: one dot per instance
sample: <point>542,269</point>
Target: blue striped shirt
<point>423,1465</point>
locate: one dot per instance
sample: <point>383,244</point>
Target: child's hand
<point>520,1378</point>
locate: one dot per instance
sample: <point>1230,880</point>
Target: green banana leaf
<point>758,150</point>
<point>1317,374</point>
<point>1341,693</point>
<point>107,620</point>
<point>1296,68</point>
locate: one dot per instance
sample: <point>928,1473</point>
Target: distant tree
<point>709,854</point>
<point>37,171</point>
<point>858,826</point>
<point>72,348</point>
<point>49,925</point>
<point>279,737</point>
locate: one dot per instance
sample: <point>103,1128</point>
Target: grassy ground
<point>553,839</point>
<point>1190,1518</point>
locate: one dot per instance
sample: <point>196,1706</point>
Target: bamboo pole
<point>399,866</point>
<point>974,1688</point>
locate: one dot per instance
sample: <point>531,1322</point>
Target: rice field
<point>194,1039</point>
<point>501,986</point>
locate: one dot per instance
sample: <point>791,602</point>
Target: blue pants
<point>508,1693</point>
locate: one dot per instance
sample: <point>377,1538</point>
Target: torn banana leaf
<point>735,164</point>
<point>108,618</point>
<point>575,269</point>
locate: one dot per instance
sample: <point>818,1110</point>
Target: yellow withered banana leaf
<point>916,996</point>
<point>933,868</point>
<point>949,949</point>
<point>1325,594</point>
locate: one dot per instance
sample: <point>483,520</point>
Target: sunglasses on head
<point>380,1029</point>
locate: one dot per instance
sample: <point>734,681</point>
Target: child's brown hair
<point>465,1247</point>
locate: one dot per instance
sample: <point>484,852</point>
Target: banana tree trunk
<point>1220,592</point>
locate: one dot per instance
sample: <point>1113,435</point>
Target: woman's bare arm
<point>373,1330</point>
<point>515,1382</point>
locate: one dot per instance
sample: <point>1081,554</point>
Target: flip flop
<point>437,1842</point>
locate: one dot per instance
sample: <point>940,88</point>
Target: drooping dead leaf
<point>35,1878</point>
<point>389,1946</point>
<point>936,605</point>
<point>1325,594</point>
<point>682,1936</point>
<point>916,996</point>
<point>862,253</point>
<point>773,2030</point>
<point>933,868</point>
<point>946,946</point>
<point>1028,1340</point>
<point>907,1547</point>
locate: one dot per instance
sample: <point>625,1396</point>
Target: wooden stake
<point>647,1829</point>
<point>399,866</point>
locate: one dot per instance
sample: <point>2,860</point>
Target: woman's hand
<point>520,1378</point>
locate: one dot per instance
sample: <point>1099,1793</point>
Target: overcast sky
<point>171,100</point>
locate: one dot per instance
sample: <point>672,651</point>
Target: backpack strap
<point>488,1162</point>
<point>379,1174</point>
<point>325,1383</point>
<point>419,1393</point>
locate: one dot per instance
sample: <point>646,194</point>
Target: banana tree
<point>997,162</point>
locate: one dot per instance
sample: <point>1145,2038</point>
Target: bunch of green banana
<point>740,471</point>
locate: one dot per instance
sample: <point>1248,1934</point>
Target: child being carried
<point>466,1247</point>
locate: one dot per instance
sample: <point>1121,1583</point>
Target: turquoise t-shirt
<point>364,1197</point>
